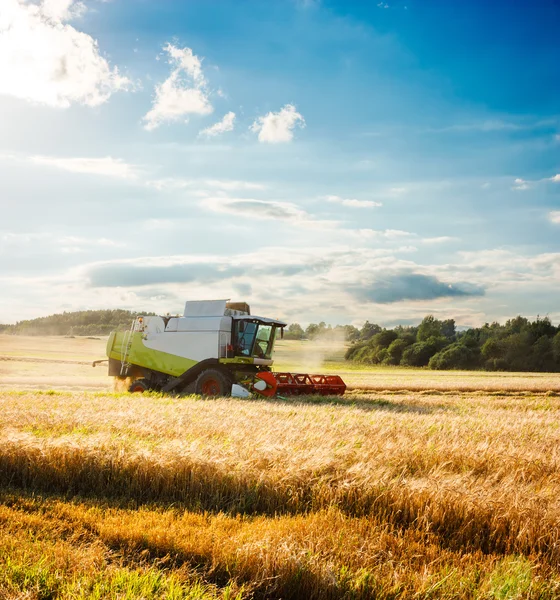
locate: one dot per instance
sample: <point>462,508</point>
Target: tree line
<point>295,331</point>
<point>83,322</point>
<point>518,345</point>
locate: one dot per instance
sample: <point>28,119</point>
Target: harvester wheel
<point>213,382</point>
<point>138,386</point>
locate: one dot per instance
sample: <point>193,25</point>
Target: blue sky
<point>336,161</point>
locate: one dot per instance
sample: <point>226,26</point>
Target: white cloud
<point>286,212</point>
<point>278,127</point>
<point>520,185</point>
<point>443,239</point>
<point>226,124</point>
<point>65,244</point>
<point>554,216</point>
<point>387,234</point>
<point>263,209</point>
<point>71,239</point>
<point>232,184</point>
<point>352,202</point>
<point>75,245</point>
<point>183,93</point>
<point>63,10</point>
<point>524,184</point>
<point>43,59</point>
<point>108,166</point>
<point>174,184</point>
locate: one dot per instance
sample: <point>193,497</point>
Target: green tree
<point>556,350</point>
<point>384,338</point>
<point>294,331</point>
<point>448,329</point>
<point>455,356</point>
<point>314,330</point>
<point>369,330</point>
<point>351,333</point>
<point>542,355</point>
<point>419,354</point>
<point>429,327</point>
<point>395,351</point>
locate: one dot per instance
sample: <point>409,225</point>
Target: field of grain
<point>393,494</point>
<point>43,363</point>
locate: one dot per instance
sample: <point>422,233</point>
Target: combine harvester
<point>215,349</point>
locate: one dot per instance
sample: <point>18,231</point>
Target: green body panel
<point>140,355</point>
<point>238,360</point>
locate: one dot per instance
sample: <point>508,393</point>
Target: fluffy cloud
<point>554,216</point>
<point>353,203</point>
<point>183,93</point>
<point>520,185</point>
<point>278,127</point>
<point>44,59</point>
<point>226,124</point>
<point>395,287</point>
<point>556,178</point>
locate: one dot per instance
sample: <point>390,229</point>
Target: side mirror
<point>241,326</point>
<point>281,333</point>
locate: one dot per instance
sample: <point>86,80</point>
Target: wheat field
<point>60,363</point>
<point>392,494</point>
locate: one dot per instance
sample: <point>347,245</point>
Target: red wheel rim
<point>211,387</point>
<point>138,389</point>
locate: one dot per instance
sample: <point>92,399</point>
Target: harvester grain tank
<point>214,346</point>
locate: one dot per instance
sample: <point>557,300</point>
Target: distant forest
<point>83,322</point>
<point>518,345</point>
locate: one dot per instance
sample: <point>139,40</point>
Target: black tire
<point>189,389</point>
<point>138,386</point>
<point>213,383</point>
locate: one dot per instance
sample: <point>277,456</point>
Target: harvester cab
<point>213,348</point>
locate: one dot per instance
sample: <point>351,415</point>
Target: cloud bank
<point>45,60</point>
<point>395,287</point>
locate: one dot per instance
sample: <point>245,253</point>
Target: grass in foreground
<point>368,496</point>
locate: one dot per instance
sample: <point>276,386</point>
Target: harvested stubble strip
<point>459,522</point>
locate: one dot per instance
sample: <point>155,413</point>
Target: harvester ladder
<point>127,343</point>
